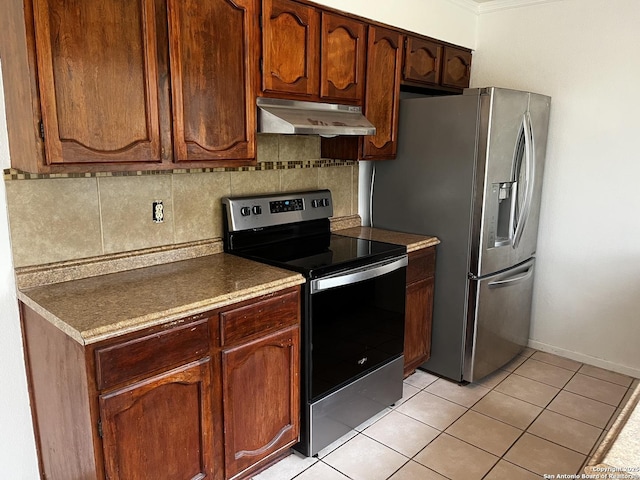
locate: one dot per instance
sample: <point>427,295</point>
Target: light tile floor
<point>540,414</point>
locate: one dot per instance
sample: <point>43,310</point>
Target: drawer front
<point>422,264</point>
<point>259,317</point>
<point>145,355</point>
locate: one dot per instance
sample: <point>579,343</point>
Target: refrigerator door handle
<point>529,158</point>
<point>518,278</point>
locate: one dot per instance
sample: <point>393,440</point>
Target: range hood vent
<point>311,118</point>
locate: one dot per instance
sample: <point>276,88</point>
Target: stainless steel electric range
<point>353,307</point>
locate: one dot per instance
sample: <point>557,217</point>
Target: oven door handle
<point>358,274</point>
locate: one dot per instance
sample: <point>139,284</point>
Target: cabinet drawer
<point>259,317</point>
<point>140,356</point>
<point>422,264</point>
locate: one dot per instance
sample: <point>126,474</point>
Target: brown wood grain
<point>261,399</point>
<point>343,59</point>
<point>151,353</point>
<point>422,62</point>
<point>259,318</point>
<point>59,399</point>
<point>419,308</point>
<point>22,103</point>
<point>160,427</point>
<point>384,63</point>
<point>291,46</point>
<point>165,408</point>
<point>97,67</point>
<point>456,69</point>
<point>422,264</point>
<point>214,65</point>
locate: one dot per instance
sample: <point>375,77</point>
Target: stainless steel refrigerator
<point>469,170</point>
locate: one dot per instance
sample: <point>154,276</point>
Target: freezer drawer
<point>499,319</point>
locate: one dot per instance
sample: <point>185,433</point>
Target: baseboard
<point>580,357</point>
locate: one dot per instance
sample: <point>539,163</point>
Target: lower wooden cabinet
<point>161,427</point>
<point>260,410</point>
<point>213,396</point>
<point>419,308</point>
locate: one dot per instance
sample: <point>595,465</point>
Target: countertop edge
<point>160,317</point>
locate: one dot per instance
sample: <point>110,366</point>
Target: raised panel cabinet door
<point>260,385</point>
<point>343,58</point>
<point>456,67</point>
<point>290,44</point>
<point>422,60</point>
<point>418,320</point>
<point>161,427</point>
<point>213,55</point>
<point>384,62</point>
<point>98,79</point>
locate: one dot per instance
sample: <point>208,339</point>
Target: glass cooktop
<point>319,255</point>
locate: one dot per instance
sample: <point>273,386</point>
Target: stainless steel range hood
<point>310,118</point>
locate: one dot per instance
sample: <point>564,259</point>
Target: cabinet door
<point>384,60</point>
<point>456,70</point>
<point>214,62</point>
<point>97,71</point>
<point>418,320</point>
<point>161,427</point>
<point>343,59</point>
<point>260,398</point>
<point>422,60</point>
<point>290,40</point>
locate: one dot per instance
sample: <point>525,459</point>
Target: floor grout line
<point>416,390</point>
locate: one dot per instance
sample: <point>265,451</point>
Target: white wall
<point>445,20</point>
<point>583,53</point>
<point>17,445</point>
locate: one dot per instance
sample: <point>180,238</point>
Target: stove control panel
<point>245,213</point>
<point>279,206</point>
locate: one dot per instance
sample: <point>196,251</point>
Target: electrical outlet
<point>158,211</point>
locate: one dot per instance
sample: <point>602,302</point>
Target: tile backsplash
<point>57,218</point>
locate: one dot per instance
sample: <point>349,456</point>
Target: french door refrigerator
<point>469,170</point>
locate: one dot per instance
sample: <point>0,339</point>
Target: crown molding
<point>470,5</point>
<point>497,5</point>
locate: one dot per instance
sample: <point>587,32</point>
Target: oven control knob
<point>315,203</point>
<point>324,202</point>
<point>245,211</point>
<point>257,210</point>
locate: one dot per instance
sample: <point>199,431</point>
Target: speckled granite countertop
<point>101,307</point>
<point>410,240</point>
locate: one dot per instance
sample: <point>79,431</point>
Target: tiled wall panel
<point>57,217</point>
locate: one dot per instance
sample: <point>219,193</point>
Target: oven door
<point>356,324</point>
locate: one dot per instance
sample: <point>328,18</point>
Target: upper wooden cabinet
<point>131,85</point>
<point>104,85</point>
<point>422,61</point>
<point>343,57</point>
<point>97,72</point>
<point>432,65</point>
<point>456,70</point>
<point>311,55</point>
<point>214,63</point>
<point>382,94</point>
<point>290,48</point>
